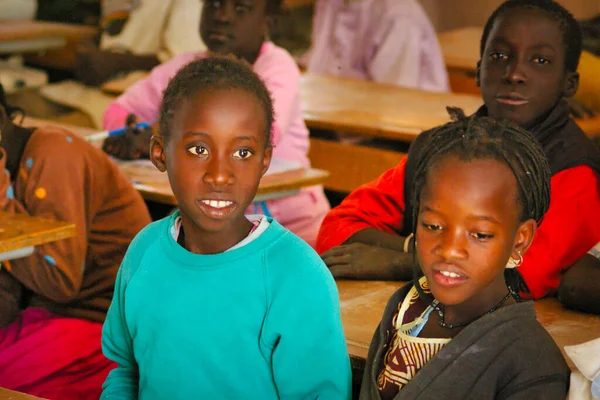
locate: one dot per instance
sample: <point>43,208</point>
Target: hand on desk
<point>367,262</point>
<point>131,145</point>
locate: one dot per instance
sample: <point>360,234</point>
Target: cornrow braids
<point>569,26</point>
<point>470,138</point>
<point>213,73</point>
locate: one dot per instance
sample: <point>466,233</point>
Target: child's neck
<point>488,300</point>
<point>199,241</point>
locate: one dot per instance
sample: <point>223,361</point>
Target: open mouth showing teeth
<point>217,203</point>
<point>450,274</point>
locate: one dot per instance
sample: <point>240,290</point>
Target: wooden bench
<point>362,304</point>
<point>20,233</point>
<point>6,394</point>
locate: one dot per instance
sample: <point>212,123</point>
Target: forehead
<point>527,28</point>
<point>222,106</point>
<point>458,183</point>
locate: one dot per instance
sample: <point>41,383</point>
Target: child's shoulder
<point>290,257</point>
<point>275,57</point>
<point>144,240</point>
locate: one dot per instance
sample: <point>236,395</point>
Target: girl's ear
<point>523,238</point>
<point>478,74</point>
<point>571,84</point>
<point>267,159</point>
<point>157,153</point>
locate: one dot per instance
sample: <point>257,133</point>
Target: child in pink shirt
<point>389,41</point>
<point>227,27</point>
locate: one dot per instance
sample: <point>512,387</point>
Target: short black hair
<point>568,25</point>
<point>273,7</point>
<point>474,137</point>
<point>215,72</point>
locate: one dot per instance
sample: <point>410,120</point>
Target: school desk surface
<point>363,302</point>
<point>154,185</point>
<point>6,394</point>
<point>34,36</point>
<point>19,233</point>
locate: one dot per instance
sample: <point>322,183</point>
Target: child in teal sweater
<point>209,303</point>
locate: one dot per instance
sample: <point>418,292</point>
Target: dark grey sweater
<point>504,355</point>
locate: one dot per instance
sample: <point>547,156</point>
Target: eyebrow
<point>502,40</point>
<point>192,134</point>
<point>249,138</point>
<point>471,216</point>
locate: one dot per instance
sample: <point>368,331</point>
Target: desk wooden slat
<point>460,48</point>
<point>6,394</point>
<point>31,30</point>
<point>363,302</point>
<point>154,185</point>
<point>18,231</point>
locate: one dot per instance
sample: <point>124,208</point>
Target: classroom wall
<point>452,14</point>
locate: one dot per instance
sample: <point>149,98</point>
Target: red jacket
<point>569,229</point>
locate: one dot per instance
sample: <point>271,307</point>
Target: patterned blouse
<point>407,353</point>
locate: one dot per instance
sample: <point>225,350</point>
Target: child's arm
<point>117,344</point>
<point>569,229</point>
<point>303,337</point>
<point>580,286</point>
<point>54,270</point>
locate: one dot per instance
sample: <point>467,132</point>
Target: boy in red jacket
<point>530,51</point>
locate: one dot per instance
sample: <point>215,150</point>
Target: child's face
<point>522,73</point>
<point>468,227</point>
<point>234,27</point>
<point>215,156</point>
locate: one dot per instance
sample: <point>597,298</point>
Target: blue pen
<point>100,136</point>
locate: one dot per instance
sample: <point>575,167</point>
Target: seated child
<point>53,302</point>
<point>580,286</point>
<point>229,287</point>
<point>458,331</point>
<point>388,41</point>
<point>529,55</point>
<point>241,29</point>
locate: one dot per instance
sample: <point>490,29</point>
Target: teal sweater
<point>258,322</point>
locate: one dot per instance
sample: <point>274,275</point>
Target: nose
<point>223,11</point>
<point>515,72</point>
<point>219,172</point>
<point>452,246</point>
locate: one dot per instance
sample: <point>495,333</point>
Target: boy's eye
<point>482,236</point>
<point>432,227</point>
<point>242,154</point>
<point>215,3</point>
<point>498,56</point>
<point>541,60</point>
<point>198,150</point>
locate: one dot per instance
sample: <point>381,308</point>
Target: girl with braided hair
<point>460,329</point>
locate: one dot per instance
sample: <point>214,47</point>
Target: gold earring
<point>512,263</point>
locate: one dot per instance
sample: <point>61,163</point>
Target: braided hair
<point>569,26</point>
<point>216,73</point>
<point>470,138</point>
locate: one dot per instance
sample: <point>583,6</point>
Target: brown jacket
<point>503,355</point>
<point>63,177</point>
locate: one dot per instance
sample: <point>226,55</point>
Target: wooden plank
<point>19,231</point>
<point>460,48</point>
<point>373,109</point>
<point>350,165</point>
<point>32,30</point>
<point>154,185</point>
<point>6,394</point>
<point>298,3</point>
<point>363,302</point>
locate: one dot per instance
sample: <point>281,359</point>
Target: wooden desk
<point>363,302</point>
<point>298,3</point>
<point>6,394</point>
<point>19,233</point>
<point>154,185</point>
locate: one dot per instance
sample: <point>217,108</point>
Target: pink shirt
<point>389,41</point>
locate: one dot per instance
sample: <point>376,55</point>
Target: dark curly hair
<point>569,26</point>
<point>217,72</point>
